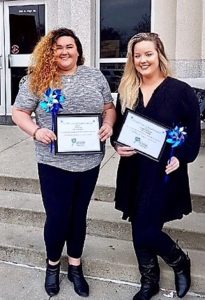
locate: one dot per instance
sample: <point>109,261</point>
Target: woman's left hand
<point>173,164</point>
<point>105,132</point>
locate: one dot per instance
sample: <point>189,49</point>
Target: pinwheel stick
<point>52,103</point>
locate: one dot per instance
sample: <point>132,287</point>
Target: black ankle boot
<point>75,275</point>
<point>147,291</point>
<point>149,269</point>
<point>180,262</point>
<point>52,279</point>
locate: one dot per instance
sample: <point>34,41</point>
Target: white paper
<point>143,135</point>
<point>78,134</point>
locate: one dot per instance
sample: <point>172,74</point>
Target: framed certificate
<point>78,133</point>
<point>144,135</point>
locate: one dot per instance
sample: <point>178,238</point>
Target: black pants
<point>147,232</point>
<point>66,196</point>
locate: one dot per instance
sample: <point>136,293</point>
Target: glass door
<point>24,25</point>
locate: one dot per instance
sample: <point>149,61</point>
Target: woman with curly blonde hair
<point>67,181</point>
<point>142,193</point>
<point>43,68</point>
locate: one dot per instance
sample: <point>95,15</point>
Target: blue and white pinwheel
<point>176,137</point>
<point>52,103</point>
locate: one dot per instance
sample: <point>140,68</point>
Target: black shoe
<point>147,291</point>
<point>52,279</point>
<point>183,277</point>
<point>75,275</point>
<point>150,273</point>
<point>180,262</point>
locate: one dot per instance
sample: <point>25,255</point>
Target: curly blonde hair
<point>43,70</point>
<point>131,79</point>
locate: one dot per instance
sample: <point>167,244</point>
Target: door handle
<point>1,65</point>
<point>9,61</point>
<point>18,60</point>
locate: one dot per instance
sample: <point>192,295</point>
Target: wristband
<point>34,134</point>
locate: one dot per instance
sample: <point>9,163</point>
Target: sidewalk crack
<point>11,146</point>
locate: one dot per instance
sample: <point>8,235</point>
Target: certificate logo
<point>73,141</point>
<point>139,142</point>
<point>137,139</point>
<point>76,143</point>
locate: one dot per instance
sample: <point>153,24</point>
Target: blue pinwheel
<point>52,103</point>
<point>53,100</point>
<point>176,137</point>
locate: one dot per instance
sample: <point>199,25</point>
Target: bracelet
<point>34,134</point>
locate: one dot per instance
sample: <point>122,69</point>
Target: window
<point>119,21</point>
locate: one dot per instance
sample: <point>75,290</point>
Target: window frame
<point>98,59</point>
<point>113,60</point>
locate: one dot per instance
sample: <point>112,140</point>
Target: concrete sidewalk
<point>17,159</point>
<point>18,282</point>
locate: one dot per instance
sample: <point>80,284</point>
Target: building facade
<point>104,27</point>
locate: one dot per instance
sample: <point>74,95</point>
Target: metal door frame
<point>2,63</point>
<point>20,61</point>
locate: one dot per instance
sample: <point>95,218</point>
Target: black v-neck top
<point>141,179</point>
<point>140,96</point>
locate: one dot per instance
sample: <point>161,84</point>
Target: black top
<point>141,180</point>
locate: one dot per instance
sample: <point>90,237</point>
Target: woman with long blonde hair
<point>151,192</point>
<point>132,78</point>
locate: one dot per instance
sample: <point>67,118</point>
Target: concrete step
<point>31,185</point>
<point>101,192</point>
<point>103,257</point>
<point>103,219</point>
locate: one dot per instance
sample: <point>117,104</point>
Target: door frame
<point>2,63</point>
<point>21,61</point>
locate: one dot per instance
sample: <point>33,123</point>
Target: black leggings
<point>148,235</point>
<point>66,196</point>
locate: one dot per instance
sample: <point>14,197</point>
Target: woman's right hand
<point>125,151</point>
<point>45,135</point>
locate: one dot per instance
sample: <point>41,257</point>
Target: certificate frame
<point>82,132</point>
<point>143,134</point>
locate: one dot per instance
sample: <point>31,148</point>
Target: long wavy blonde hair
<point>43,70</point>
<point>131,79</point>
